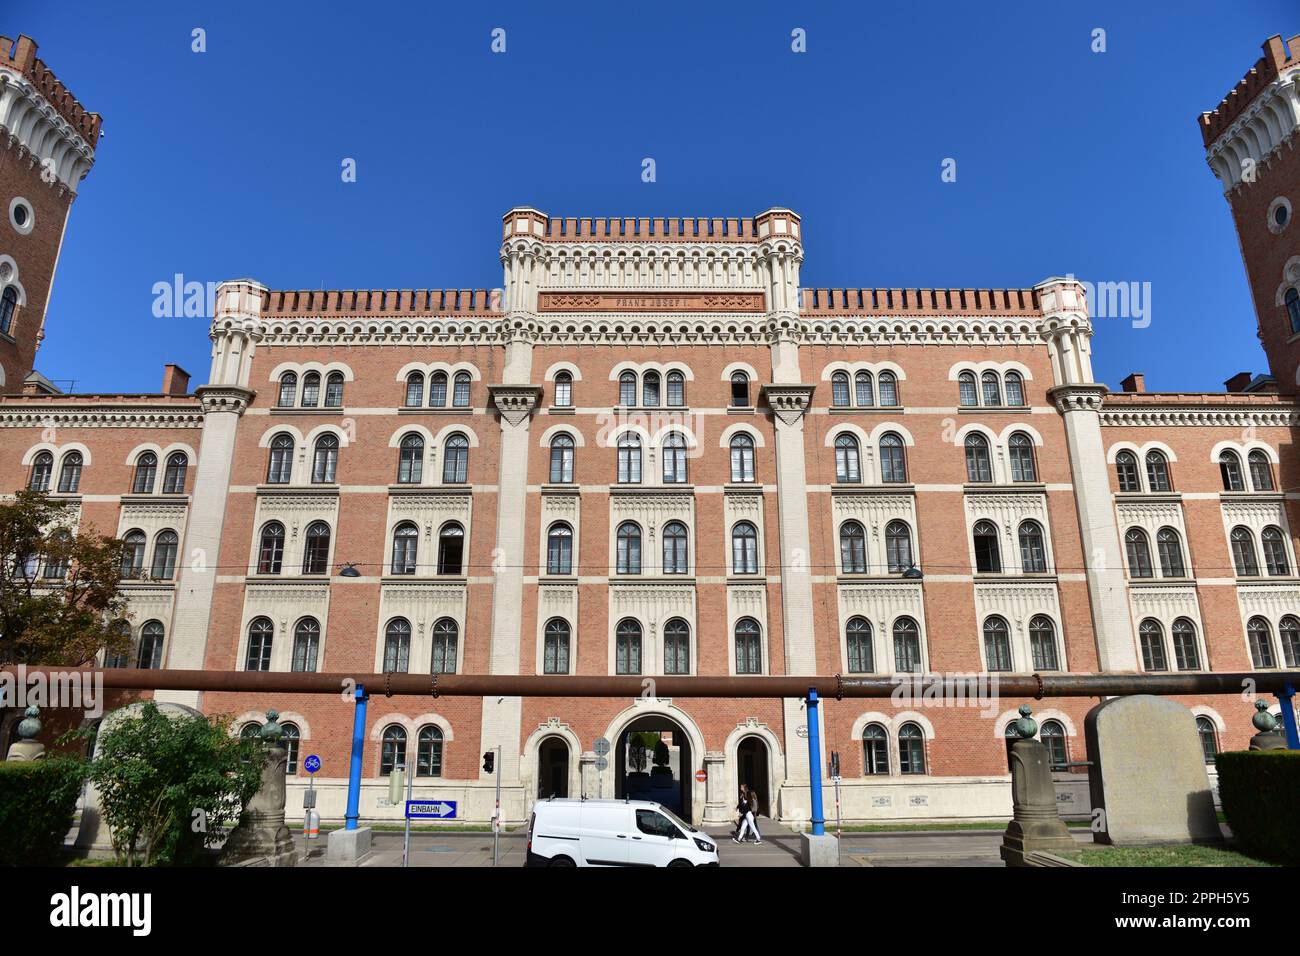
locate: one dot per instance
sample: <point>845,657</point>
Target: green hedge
<point>37,799</point>
<point>1259,790</point>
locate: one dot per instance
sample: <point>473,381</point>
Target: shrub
<point>37,799</point>
<point>1258,789</point>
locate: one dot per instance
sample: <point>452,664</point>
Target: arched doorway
<point>652,761</point>
<point>553,768</point>
<point>751,770</point>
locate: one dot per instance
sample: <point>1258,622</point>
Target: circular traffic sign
<point>601,746</point>
<point>701,775</point>
<point>311,764</point>
<point>601,763</point>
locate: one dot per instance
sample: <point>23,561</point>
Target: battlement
<point>919,302</point>
<point>20,56</point>
<point>528,221</point>
<point>1275,60</point>
<point>380,302</point>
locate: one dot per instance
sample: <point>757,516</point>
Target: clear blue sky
<point>227,163</point>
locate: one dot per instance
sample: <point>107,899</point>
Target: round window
<point>21,216</point>
<point>1280,215</point>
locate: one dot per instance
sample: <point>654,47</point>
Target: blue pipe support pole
<point>354,766</point>
<point>1287,699</point>
<point>815,765</point>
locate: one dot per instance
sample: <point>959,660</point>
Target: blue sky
<point>227,163</point>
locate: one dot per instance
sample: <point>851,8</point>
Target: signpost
<point>601,749</point>
<point>310,826</point>
<point>835,775</point>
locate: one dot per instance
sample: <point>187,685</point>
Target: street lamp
<point>912,573</point>
<point>349,570</point>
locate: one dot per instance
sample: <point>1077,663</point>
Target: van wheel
<point>560,861</point>
<point>680,863</point>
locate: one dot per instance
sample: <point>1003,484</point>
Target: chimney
<point>1136,382</point>
<point>176,381</point>
<point>1239,382</point>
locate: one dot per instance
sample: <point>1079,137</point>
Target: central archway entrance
<point>653,761</point>
<point>751,769</point>
<point>553,768</point>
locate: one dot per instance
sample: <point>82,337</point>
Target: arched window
<point>627,648</point>
<point>121,657</point>
<point>1209,739</point>
<point>555,650</point>
<point>8,306</point>
<point>749,647</point>
<point>888,383</point>
<point>397,646</point>
<point>174,475</point>
<point>146,470</point>
<point>310,389</point>
<point>992,388</point>
<point>1138,550</point>
<point>446,636</point>
<point>1033,554</point>
<point>260,633</point>
<point>744,548</point>
<point>627,389</point>
<point>1158,472</point>
<point>1126,470</point>
<point>969,397</point>
<point>858,643</point>
<point>911,749</point>
<point>406,542</point>
<point>56,559</point>
<point>414,390</point>
<point>676,389</point>
<point>70,473</point>
<point>455,460</point>
<point>438,390</point>
<point>1015,389</point>
<point>292,737</point>
<point>316,553</point>
<point>164,555</point>
<point>334,390</point>
<point>1275,557</point>
<point>898,546</point>
<point>847,468</point>
<point>675,560</point>
<point>559,549</point>
<point>853,548</point>
<point>288,390</point>
<point>1186,655</point>
<point>650,389</point>
<point>270,551</point>
<point>674,458</point>
<point>1020,449</point>
<point>451,549</point>
<point>863,390</point>
<point>410,460</point>
<point>907,646</point>
<point>739,390</point>
<point>677,647</point>
<point>1230,470</point>
<point>628,548</point>
<point>1169,545</point>
<point>460,390</point>
<point>997,644</point>
<point>1289,630</point>
<point>392,749</point>
<point>428,752</point>
<point>133,554</point>
<point>1243,552</point>
<point>979,467</point>
<point>563,389</point>
<point>629,457</point>
<point>742,458</point>
<point>875,750</point>
<point>1261,471</point>
<point>306,644</point>
<point>280,467</point>
<point>840,389</point>
<point>151,646</point>
<point>1151,637</point>
<point>561,460</point>
<point>988,555</point>
<point>1292,309</point>
<point>893,463</point>
<point>1260,637</point>
<point>1053,737</point>
<point>42,469</point>
<point>325,460</point>
<point>1042,643</point>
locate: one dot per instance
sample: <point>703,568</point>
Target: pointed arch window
<point>310,389</point>
<point>893,461</point>
<point>1151,637</point>
<point>260,634</point>
<point>306,644</point>
<point>70,473</point>
<point>744,548</point>
<point>1261,471</point>
<point>325,460</point>
<point>1042,643</point>
<point>907,646</point>
<point>561,460</point>
<point>858,642</point>
<point>1230,471</point>
<point>628,548</point>
<point>677,647</point>
<point>840,389</point>
<point>414,390</point>
<point>42,470</point>
<point>629,458</point>
<point>280,465</point>
<point>1158,472</point>
<point>674,458</point>
<point>988,555</point>
<point>847,467</point>
<point>742,458</point>
<point>979,467</point>
<point>316,554</point>
<point>446,637</point>
<point>555,652</point>
<point>997,644</point>
<point>853,548</point>
<point>438,390</point>
<point>8,307</point>
<point>165,546</point>
<point>1020,449</point>
<point>455,460</point>
<point>288,390</point>
<point>174,475</point>
<point>1126,471</point>
<point>406,542</point>
<point>1138,550</point>
<point>270,551</point>
<point>146,470</point>
<point>675,555</point>
<point>1243,552</point>
<point>749,647</point>
<point>559,549</point>
<point>1169,544</point>
<point>410,460</point>
<point>1275,557</point>
<point>1033,553</point>
<point>451,549</point>
<point>969,396</point>
<point>1187,656</point>
<point>1260,637</point>
<point>397,646</point>
<point>627,648</point>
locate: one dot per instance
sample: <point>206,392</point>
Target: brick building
<point>653,452</point>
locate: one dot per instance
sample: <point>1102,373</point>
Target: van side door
<point>656,841</point>
<point>604,835</point>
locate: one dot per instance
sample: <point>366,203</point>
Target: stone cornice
<point>48,132</point>
<point>1080,397</point>
<point>1201,417</point>
<point>224,398</point>
<point>788,402</point>
<point>70,414</point>
<point>515,402</point>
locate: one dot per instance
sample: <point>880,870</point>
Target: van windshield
<point>676,819</point>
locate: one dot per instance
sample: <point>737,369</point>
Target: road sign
<point>802,731</point>
<point>601,746</point>
<point>601,763</point>
<point>431,809</point>
<point>701,775</point>
<point>311,764</point>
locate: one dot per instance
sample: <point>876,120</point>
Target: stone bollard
<point>1269,736</point>
<point>1035,825</point>
<point>27,747</point>
<point>262,838</point>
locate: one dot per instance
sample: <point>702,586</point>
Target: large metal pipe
<point>943,687</point>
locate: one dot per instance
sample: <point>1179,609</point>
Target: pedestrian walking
<point>751,798</point>
<point>744,820</point>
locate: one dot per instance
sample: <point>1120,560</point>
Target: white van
<point>569,832</point>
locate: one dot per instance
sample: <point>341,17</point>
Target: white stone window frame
<point>1007,512</point>
<point>998,368</point>
<point>874,368</point>
<point>652,475</point>
<point>739,601</point>
<point>560,509</point>
<point>1271,602</point>
<point>26,228</point>
<point>423,603</point>
<point>999,456</point>
<point>657,605</point>
<point>301,369</point>
<point>427,461</point>
<point>1281,202</point>
<point>882,604</point>
<point>548,596</point>
<point>662,369</point>
<point>1166,605</point>
<point>430,515</point>
<point>1144,482</point>
<point>554,371</point>
<point>1255,516</point>
<point>1243,450</point>
<point>869,451</point>
<point>1150,517</point>
<point>1036,600</point>
<point>163,454</point>
<point>304,452</point>
<point>739,507</point>
<point>436,452</point>
<point>874,511</point>
<point>892,723</point>
<point>288,610</point>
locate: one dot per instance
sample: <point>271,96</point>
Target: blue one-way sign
<point>430,809</point>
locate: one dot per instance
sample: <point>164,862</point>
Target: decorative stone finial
<point>1026,726</point>
<point>1264,721</point>
<point>271,730</point>
<point>30,725</point>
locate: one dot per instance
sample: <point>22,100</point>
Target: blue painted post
<point>1287,699</point>
<point>354,766</point>
<point>815,764</point>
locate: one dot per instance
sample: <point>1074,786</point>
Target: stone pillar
<point>717,802</point>
<point>1035,825</point>
<point>27,747</point>
<point>588,775</point>
<point>262,837</point>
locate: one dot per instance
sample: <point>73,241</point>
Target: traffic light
<point>489,760</point>
<point>835,763</point>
